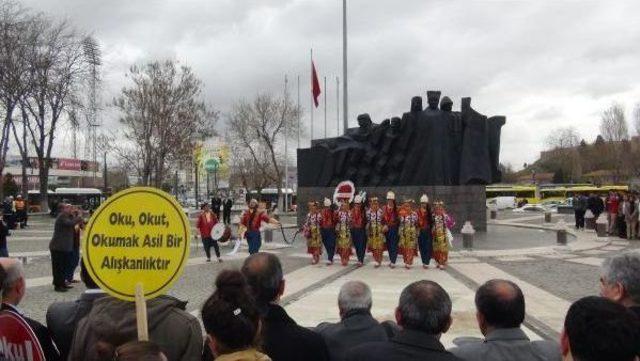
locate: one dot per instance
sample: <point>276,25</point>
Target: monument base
<point>464,203</point>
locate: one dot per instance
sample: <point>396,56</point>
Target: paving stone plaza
<point>518,247</point>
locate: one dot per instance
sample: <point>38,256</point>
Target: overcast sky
<point>542,64</point>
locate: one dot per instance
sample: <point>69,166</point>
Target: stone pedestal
<point>463,203</point>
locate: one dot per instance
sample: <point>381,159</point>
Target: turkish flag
<point>315,87</point>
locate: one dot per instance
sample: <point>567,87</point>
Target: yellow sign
<point>138,235</point>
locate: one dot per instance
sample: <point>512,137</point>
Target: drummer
<point>206,221</point>
<point>252,220</point>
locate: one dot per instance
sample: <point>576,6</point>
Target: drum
<point>221,233</point>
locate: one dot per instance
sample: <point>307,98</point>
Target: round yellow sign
<point>138,235</point>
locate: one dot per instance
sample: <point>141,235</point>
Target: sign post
<point>136,245</point>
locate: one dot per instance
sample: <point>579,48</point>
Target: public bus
<point>86,198</point>
<point>524,192</point>
<point>270,197</point>
<point>562,193</point>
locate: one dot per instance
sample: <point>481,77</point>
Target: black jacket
<point>216,203</point>
<point>356,328</point>
<point>227,205</point>
<point>284,340</point>
<point>49,348</point>
<point>63,318</point>
<point>407,345</point>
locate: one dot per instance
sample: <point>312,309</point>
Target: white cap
<point>327,202</point>
<point>424,199</point>
<point>357,199</point>
<point>391,196</point>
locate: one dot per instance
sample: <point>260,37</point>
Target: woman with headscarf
<point>375,237</point>
<point>407,230</point>
<point>442,224</point>
<point>311,231</point>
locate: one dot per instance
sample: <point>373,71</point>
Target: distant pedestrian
<point>75,253</point>
<point>9,212</point>
<point>630,213</point>
<point>216,203</point>
<point>579,203</point>
<point>226,209</point>
<point>4,233</point>
<point>21,211</point>
<point>613,207</point>
<point>595,205</point>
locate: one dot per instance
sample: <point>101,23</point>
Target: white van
<point>508,202</point>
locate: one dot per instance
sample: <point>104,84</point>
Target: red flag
<point>315,87</point>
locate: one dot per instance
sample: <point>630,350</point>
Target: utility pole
<point>286,149</point>
<point>325,107</point>
<point>345,106</point>
<point>338,107</point>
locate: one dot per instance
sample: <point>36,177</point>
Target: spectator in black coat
<point>63,317</point>
<point>226,210</point>
<point>423,313</point>
<point>216,203</point>
<point>14,289</point>
<point>4,233</point>
<point>596,205</point>
<point>357,326</point>
<point>283,339</point>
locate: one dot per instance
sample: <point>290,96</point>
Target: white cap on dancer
<point>391,196</point>
<point>357,199</point>
<point>424,199</point>
<point>327,202</point>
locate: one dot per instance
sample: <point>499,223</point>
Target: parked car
<point>535,208</point>
<point>505,202</point>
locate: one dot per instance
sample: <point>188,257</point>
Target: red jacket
<point>205,226</point>
<point>424,219</point>
<point>256,222</point>
<point>329,218</point>
<point>357,218</point>
<point>613,203</point>
<point>389,217</point>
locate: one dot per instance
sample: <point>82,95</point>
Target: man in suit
<point>620,280</point>
<point>283,339</point>
<point>61,246</point>
<point>423,313</point>
<point>357,326</point>
<point>596,328</point>
<point>14,288</point>
<point>63,317</point>
<point>216,203</point>
<point>226,210</point>
<point>500,312</point>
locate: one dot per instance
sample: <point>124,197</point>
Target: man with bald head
<point>282,338</point>
<point>14,287</point>
<point>500,313</point>
<point>357,326</point>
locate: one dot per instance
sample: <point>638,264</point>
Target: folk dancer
<point>390,222</point>
<point>311,231</point>
<point>252,220</point>
<point>206,221</point>
<point>442,224</point>
<point>328,230</point>
<point>358,235</point>
<point>408,232</point>
<point>375,236</point>
<point>343,232</point>
<point>425,243</point>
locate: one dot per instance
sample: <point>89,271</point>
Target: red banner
<point>69,164</point>
<point>17,339</point>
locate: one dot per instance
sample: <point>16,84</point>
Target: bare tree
<point>258,127</point>
<point>613,124</point>
<point>636,118</point>
<point>57,66</point>
<point>163,117</point>
<point>563,138</point>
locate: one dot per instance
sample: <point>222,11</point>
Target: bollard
<point>547,217</point>
<point>561,232</point>
<point>493,211</point>
<point>601,226</point>
<point>589,220</point>
<point>468,234</point>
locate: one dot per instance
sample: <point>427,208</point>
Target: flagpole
<point>311,125</point>
<point>338,106</point>
<point>298,108</point>
<point>286,149</point>
<point>325,107</point>
<point>345,109</point>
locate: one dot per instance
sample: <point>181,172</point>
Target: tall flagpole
<point>337,106</point>
<point>345,107</point>
<point>311,122</point>
<point>286,149</point>
<point>298,108</point>
<point>325,107</point>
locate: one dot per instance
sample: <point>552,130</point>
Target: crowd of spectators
<point>244,322</point>
<point>621,212</point>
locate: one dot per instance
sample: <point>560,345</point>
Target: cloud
<point>543,64</point>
